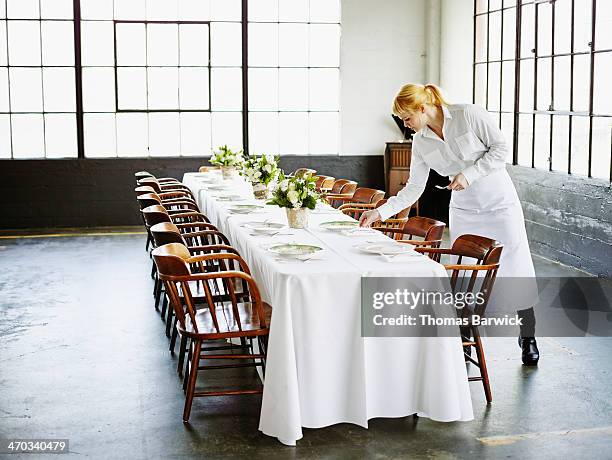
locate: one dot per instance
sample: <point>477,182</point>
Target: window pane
<point>132,88</point>
<point>22,9</point>
<point>480,96</point>
<point>495,5</point>
<point>4,90</point>
<point>526,86</point>
<point>293,127</point>
<point>293,45</point>
<point>3,44</point>
<point>563,26</point>
<point>323,133</point>
<point>563,73</point>
<point>100,135</point>
<point>225,10</point>
<point>162,10</point>
<point>193,44</point>
<point>263,45</point>
<point>226,44</point>
<point>325,11</point>
<point>162,44</point>
<point>293,89</point>
<point>527,30</point>
<point>132,134</point>
<point>509,39</point>
<point>131,44</point>
<point>24,42</point>
<point>162,88</point>
<point>263,10</point>
<point>263,132</point>
<point>26,89</point>
<point>482,6</point>
<point>263,89</point>
<point>2,10</point>
<point>195,134</point>
<point>164,134</point>
<point>60,136</point>
<point>525,138</point>
<point>580,145</point>
<point>494,36</point>
<point>582,25</point>
<point>542,141</point>
<point>5,136</point>
<point>59,89</point>
<point>226,89</point>
<point>560,147</point>
<point>508,86</point>
<point>194,10</point>
<point>544,29</point>
<point>481,38</point>
<point>193,87</point>
<point>581,83</point>
<point>98,90</point>
<point>507,127</point>
<point>544,83</point>
<point>227,129</point>
<point>602,96</point>
<point>56,9</point>
<point>28,139</point>
<point>324,45</point>
<point>130,9</point>
<point>57,41</point>
<point>294,11</point>
<point>97,43</point>
<point>494,89</point>
<point>324,91</point>
<point>97,9</point>
<point>603,26</point>
<point>602,147</point>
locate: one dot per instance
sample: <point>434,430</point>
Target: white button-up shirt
<point>472,145</point>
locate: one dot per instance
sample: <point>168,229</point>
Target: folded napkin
<point>411,256</point>
<point>359,231</point>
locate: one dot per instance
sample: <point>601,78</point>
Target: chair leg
<point>193,375</point>
<point>482,364</point>
<point>169,321</point>
<point>153,270</point>
<point>187,367</point>
<point>174,334</point>
<point>164,301</point>
<point>149,241</point>
<point>182,351</point>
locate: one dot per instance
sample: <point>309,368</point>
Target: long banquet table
<point>320,370</point>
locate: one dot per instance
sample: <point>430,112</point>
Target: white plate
<point>263,226</point>
<point>218,187</point>
<point>339,225</point>
<point>294,249</point>
<point>386,248</point>
<point>229,198</point>
<point>245,208</point>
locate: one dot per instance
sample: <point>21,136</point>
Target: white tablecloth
<point>319,370</point>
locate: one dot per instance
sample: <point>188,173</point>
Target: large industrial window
<point>543,69</point>
<point>138,78</point>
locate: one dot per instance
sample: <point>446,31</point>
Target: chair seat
<point>228,326</point>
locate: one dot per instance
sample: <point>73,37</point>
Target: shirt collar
<point>446,112</point>
<point>429,133</point>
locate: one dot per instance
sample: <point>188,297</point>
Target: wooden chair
<point>430,230</point>
<point>475,277</point>
<point>301,172</point>
<point>163,187</point>
<point>342,188</point>
<point>219,320</point>
<point>324,183</point>
<point>162,180</point>
<point>169,200</point>
<point>362,195</point>
<point>355,210</point>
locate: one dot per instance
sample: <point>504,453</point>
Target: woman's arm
<point>491,136</point>
<point>419,172</point>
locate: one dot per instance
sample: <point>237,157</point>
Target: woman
<point>462,142</point>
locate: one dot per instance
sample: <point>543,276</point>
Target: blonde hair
<point>412,96</point>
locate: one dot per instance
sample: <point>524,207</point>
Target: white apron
<point>490,207</point>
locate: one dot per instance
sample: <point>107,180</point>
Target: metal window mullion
<point>571,118</point>
<point>535,85</point>
<point>245,76</point>
<point>488,57</point>
<point>552,88</point>
<point>474,56</point>
<point>591,85</point>
<point>8,77</point>
<point>78,78</point>
<point>517,84</point>
<point>501,67</point>
<point>42,80</point>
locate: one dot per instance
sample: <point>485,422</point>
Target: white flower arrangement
<point>295,193</point>
<point>261,170</point>
<point>225,156</point>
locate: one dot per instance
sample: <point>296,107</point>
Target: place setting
<point>266,229</point>
<point>295,252</point>
<point>347,228</point>
<point>390,251</point>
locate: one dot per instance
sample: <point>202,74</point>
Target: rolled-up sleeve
<point>419,172</point>
<point>491,136</point>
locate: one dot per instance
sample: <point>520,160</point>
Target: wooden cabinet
<point>397,166</point>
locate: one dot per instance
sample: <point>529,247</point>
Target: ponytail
<point>412,96</point>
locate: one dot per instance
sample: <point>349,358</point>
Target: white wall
<point>456,50</point>
<point>382,48</point>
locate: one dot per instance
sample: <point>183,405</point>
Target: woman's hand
<point>368,218</point>
<point>458,183</point>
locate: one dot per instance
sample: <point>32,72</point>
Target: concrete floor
<point>83,356</point>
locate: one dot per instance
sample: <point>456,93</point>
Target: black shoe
<point>531,354</point>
